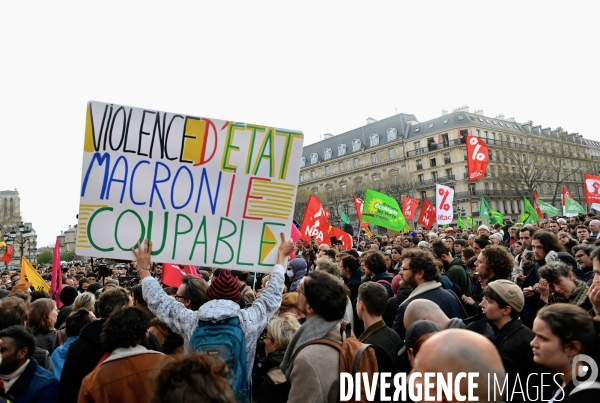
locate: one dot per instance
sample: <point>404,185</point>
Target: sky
<point>319,67</point>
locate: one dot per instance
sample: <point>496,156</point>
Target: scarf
<point>10,379</point>
<point>313,329</point>
<point>578,296</point>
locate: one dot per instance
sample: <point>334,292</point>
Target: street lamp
<point>18,235</point>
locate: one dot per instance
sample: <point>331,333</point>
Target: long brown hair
<point>39,315</point>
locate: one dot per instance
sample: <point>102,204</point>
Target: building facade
<point>401,156</point>
<point>10,219</point>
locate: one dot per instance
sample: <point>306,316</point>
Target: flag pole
<point>471,207</point>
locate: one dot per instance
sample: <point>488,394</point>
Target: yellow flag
<point>32,276</point>
<point>368,232</point>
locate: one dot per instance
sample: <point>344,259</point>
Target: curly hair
<point>193,378</point>
<point>375,262</point>
<point>549,241</point>
<point>38,318</point>
<point>422,260</point>
<point>553,271</point>
<point>126,327</point>
<point>498,260</point>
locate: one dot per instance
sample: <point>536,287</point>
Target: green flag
<point>548,209</point>
<point>460,223</point>
<point>382,210</point>
<point>484,209</point>
<point>407,228</point>
<point>496,217</point>
<point>529,219</point>
<point>522,217</point>
<point>533,215</point>
<point>344,218</point>
<point>572,207</point>
<point>470,222</point>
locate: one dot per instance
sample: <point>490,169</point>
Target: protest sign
<point>207,192</point>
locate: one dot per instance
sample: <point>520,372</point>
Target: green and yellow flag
<point>381,209</point>
<point>460,223</point>
<point>470,222</point>
<point>496,217</point>
<point>533,215</point>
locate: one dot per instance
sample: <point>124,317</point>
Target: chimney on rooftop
<point>327,136</point>
<point>371,121</point>
<point>444,112</point>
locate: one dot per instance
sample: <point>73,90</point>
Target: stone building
<point>401,156</point>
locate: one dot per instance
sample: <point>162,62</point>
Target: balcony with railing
<point>435,146</point>
<point>432,182</point>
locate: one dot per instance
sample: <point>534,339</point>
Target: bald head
<point>460,350</point>
<point>595,226</point>
<point>424,309</point>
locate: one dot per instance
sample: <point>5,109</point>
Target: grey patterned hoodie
<point>183,321</point>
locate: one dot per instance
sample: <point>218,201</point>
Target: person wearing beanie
<point>483,230</point>
<point>222,302</point>
<point>502,303</point>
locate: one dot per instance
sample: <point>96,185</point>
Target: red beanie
<point>224,286</point>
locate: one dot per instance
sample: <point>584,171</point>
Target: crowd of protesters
<point>511,300</point>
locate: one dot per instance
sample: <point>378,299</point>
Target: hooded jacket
<point>299,268</point>
<point>35,385</point>
<point>184,321</point>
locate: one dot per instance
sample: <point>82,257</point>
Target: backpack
<point>354,357</point>
<point>225,339</point>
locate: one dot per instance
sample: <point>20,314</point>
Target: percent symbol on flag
<point>476,154</point>
<point>443,204</point>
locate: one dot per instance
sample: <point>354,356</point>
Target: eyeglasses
<point>270,338</point>
<point>179,297</point>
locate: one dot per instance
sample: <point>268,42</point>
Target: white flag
<point>444,197</point>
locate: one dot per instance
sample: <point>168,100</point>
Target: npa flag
<point>409,207</point>
<point>533,215</point>
<point>32,276</point>
<point>314,223</point>
<point>444,197</point>
<point>427,216</point>
<point>381,209</point>
<point>359,203</point>
<point>56,286</point>
<point>341,236</point>
<point>592,188</point>
<point>477,157</point>
<point>536,204</point>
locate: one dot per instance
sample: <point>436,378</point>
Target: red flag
<point>358,203</point>
<point>314,223</point>
<point>592,188</point>
<point>477,157</point>
<point>296,234</point>
<point>172,275</point>
<point>193,270</point>
<point>409,207</point>
<point>56,286</point>
<point>536,205</point>
<point>7,257</point>
<point>341,236</point>
<point>427,216</point>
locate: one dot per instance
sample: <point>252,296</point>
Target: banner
<point>536,204</point>
<point>484,210</point>
<point>32,276</point>
<point>533,215</point>
<point>359,204</point>
<point>444,197</point>
<point>592,188</point>
<point>427,216</point>
<point>477,157</point>
<point>57,276</point>
<point>341,236</point>
<point>381,209</point>
<point>548,209</point>
<point>208,192</point>
<point>409,207</point>
<point>315,222</point>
